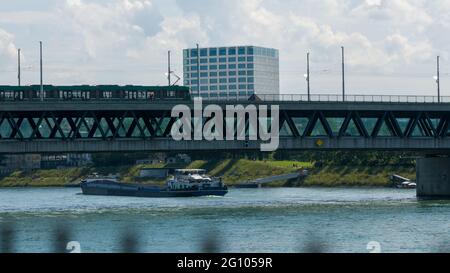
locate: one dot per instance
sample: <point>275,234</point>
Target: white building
<point>231,72</point>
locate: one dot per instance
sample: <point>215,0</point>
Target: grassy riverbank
<point>232,170</point>
<point>332,176</point>
<point>43,178</point>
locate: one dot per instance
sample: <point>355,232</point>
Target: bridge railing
<point>338,98</point>
<point>265,97</point>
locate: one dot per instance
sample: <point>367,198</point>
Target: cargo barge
<point>185,183</point>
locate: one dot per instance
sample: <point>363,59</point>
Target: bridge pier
<point>433,177</point>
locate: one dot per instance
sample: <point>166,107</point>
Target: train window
<point>38,94</point>
<point>8,94</point>
<point>107,94</point>
<point>171,93</point>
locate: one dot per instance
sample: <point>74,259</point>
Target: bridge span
<point>58,126</point>
<point>133,125</point>
<point>421,145</point>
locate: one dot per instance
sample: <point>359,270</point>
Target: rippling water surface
<point>245,220</point>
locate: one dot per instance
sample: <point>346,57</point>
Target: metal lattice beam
<point>158,124</point>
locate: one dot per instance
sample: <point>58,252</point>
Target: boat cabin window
<point>190,172</point>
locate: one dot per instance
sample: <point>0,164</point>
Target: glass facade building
<point>231,72</point>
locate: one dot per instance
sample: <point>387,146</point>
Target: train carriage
<point>35,92</point>
<point>98,92</point>
<point>77,92</point>
<point>8,92</point>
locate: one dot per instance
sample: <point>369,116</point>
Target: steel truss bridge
<point>53,126</point>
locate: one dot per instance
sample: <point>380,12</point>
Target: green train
<point>94,92</point>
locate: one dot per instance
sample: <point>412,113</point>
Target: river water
<point>245,220</point>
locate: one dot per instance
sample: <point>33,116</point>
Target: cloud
<point>126,41</point>
<point>130,36</point>
<point>325,42</point>
<point>175,33</point>
<point>8,50</point>
<point>361,50</point>
<point>253,22</point>
<point>399,48</point>
<point>130,27</point>
<point>108,26</point>
<point>440,11</point>
<point>400,12</point>
<point>26,17</point>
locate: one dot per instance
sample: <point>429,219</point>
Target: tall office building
<point>231,72</point>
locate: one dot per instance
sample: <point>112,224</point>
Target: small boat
<point>407,185</point>
<point>401,182</point>
<point>185,183</point>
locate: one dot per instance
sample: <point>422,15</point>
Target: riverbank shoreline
<point>233,171</point>
<point>230,186</point>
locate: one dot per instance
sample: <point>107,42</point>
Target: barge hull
<point>151,193</point>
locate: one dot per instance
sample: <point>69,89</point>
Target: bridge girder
<point>151,124</point>
<point>136,123</point>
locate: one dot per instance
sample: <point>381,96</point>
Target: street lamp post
<point>18,66</point>
<point>42,85</point>
<point>198,70</point>
<point>438,80</point>
<point>168,67</point>
<point>343,74</point>
<point>307,76</point>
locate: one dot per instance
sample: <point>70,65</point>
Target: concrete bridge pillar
<point>433,177</point>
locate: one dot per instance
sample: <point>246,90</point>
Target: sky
<point>390,45</point>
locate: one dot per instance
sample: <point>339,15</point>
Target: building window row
<point>224,94</point>
<point>220,74</point>
<point>231,51</point>
<point>219,60</point>
<point>267,52</point>
<point>219,67</point>
<point>223,87</point>
<point>221,51</point>
<point>221,80</point>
